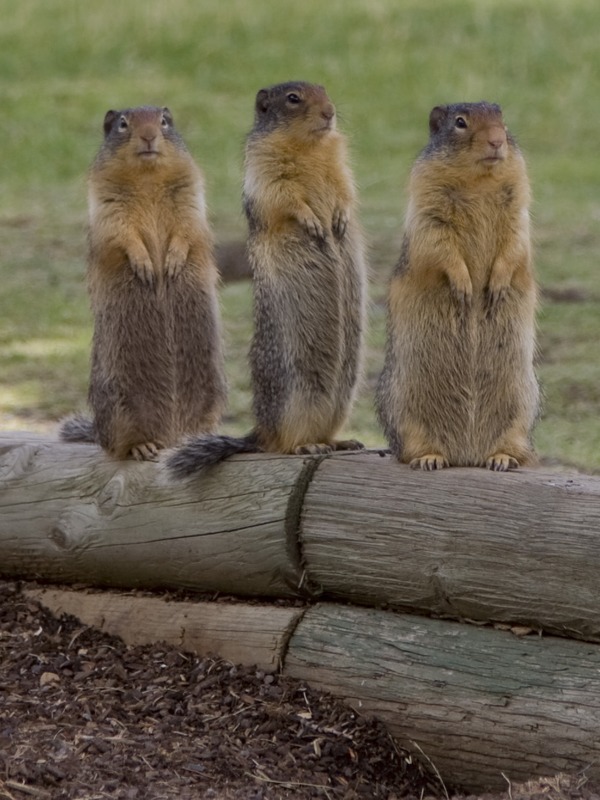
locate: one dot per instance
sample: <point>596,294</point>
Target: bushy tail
<point>78,429</point>
<point>208,450</point>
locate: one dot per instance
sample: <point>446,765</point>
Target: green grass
<point>385,63</point>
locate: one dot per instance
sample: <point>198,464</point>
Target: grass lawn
<point>385,63</point>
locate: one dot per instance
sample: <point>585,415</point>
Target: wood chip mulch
<point>85,717</point>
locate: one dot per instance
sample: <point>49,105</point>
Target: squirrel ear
<point>262,101</point>
<point>437,116</point>
<point>109,118</point>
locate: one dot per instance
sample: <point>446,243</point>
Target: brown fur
<point>307,256</point>
<point>458,386</point>
<point>157,368</point>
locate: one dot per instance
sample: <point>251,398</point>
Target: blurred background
<point>385,63</point>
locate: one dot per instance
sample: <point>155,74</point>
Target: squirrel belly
<point>305,352</point>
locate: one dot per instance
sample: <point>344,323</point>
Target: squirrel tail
<point>78,429</point>
<point>208,450</point>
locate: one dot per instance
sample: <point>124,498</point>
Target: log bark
<point>70,514</point>
<point>480,704</point>
<point>518,547</point>
<point>254,634</point>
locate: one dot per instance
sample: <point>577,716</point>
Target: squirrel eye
<point>123,124</point>
<point>164,122</point>
<point>461,122</point>
<point>293,98</point>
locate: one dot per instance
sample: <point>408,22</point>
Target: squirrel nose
<point>328,112</point>
<point>496,137</point>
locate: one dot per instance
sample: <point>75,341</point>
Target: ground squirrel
<point>458,385</point>
<point>157,370</point>
<point>307,256</point>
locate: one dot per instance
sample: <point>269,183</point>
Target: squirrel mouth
<point>148,154</point>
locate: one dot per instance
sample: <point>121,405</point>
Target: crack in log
<point>293,526</point>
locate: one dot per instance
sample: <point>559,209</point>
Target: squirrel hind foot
<point>501,462</point>
<point>320,448</point>
<point>429,462</point>
<point>348,444</point>
<point>146,451</point>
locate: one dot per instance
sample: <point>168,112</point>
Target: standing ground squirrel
<point>307,256</point>
<point>458,385</point>
<point>157,369</point>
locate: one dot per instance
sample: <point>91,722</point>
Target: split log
<point>70,514</point>
<point>254,634</point>
<point>480,704</point>
<point>516,547</point>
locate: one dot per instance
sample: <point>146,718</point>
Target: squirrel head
<point>139,135</point>
<point>304,109</point>
<point>470,133</point>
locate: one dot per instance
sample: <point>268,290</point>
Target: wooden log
<point>237,632</point>
<point>483,705</point>
<point>68,513</point>
<point>518,547</point>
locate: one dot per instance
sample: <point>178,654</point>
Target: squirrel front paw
<point>140,262</point>
<point>461,286</point>
<point>462,294</point>
<point>143,270</point>
<point>339,222</point>
<point>498,285</point>
<point>494,298</point>
<point>311,224</point>
<point>176,258</point>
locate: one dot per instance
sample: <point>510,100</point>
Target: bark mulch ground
<point>85,717</point>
